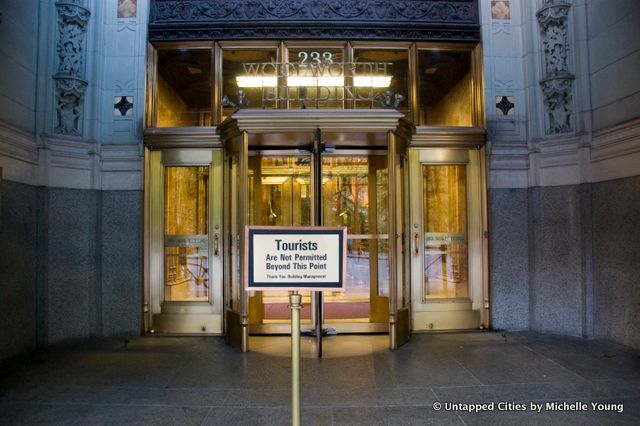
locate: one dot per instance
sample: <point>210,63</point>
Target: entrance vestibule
<point>411,200</point>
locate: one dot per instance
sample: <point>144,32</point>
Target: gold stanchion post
<point>295,303</point>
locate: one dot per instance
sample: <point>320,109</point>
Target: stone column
<point>558,81</point>
<point>70,83</point>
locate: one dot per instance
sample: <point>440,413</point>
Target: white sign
<point>295,258</point>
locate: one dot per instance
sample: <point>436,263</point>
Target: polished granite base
<point>202,381</point>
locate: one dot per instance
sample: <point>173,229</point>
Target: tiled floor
<point>202,381</point>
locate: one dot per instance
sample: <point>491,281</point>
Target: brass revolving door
<point>272,179</point>
<point>355,195</point>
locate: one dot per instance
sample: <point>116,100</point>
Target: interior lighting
<point>248,81</point>
<point>322,81</point>
<point>310,81</point>
<point>372,81</point>
<point>274,180</point>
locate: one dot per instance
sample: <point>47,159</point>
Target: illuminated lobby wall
<point>563,207</point>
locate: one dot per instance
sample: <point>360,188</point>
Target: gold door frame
<point>445,146</point>
<point>182,317</point>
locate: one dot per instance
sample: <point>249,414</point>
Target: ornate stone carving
<point>400,19</point>
<point>242,10</point>
<point>307,33</point>
<point>69,93</point>
<point>557,84</point>
<point>70,85</point>
<point>558,104</point>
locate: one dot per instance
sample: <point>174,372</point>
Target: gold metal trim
<point>486,310</point>
<point>339,327</point>
<point>329,120</point>
<point>150,84</point>
<point>393,241</point>
<point>182,137</point>
<point>477,88</point>
<point>349,56</point>
<point>243,187</point>
<point>413,100</point>
<point>147,240</point>
<point>368,236</point>
<point>448,137</point>
<point>428,45</point>
<point>216,104</point>
<point>369,44</point>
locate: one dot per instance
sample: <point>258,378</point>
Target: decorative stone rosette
<point>557,84</point>
<point>70,84</point>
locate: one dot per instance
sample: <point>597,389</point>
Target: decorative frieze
<point>335,10</point>
<point>557,84</point>
<point>269,19</point>
<point>70,84</point>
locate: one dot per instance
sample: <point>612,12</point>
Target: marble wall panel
<point>556,282</point>
<point>72,265</point>
<point>509,258</point>
<point>17,268</point>
<point>616,247</point>
<point>122,266</point>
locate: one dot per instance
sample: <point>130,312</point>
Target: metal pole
<point>295,303</point>
<point>317,175</point>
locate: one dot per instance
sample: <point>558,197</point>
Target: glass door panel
<point>279,195</point>
<point>355,193</point>
<point>186,239</point>
<point>446,239</point>
<point>280,191</point>
<point>445,227</point>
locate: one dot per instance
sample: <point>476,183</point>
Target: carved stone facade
<point>557,84</point>
<point>70,84</point>
<point>333,19</point>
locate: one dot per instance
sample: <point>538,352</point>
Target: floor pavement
<point>458,379</point>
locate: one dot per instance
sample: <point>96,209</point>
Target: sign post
<point>317,172</point>
<point>294,259</point>
<point>295,301</point>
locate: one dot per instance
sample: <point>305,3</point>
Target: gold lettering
<point>251,68</point>
<point>348,93</point>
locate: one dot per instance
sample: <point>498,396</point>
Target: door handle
<point>215,245</point>
<point>416,241</point>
